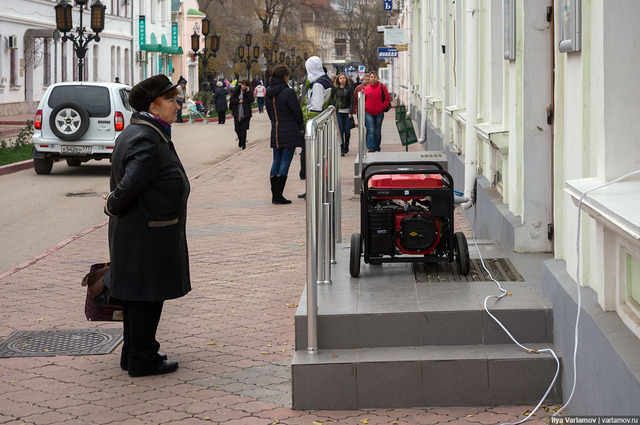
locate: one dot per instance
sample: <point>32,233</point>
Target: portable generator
<point>406,215</point>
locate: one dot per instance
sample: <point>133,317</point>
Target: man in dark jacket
<point>147,234</point>
<point>240,104</point>
<point>285,114</point>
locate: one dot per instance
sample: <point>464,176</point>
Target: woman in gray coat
<point>147,234</point>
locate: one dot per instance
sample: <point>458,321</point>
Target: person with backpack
<point>376,103</point>
<point>315,98</point>
<point>342,98</point>
<point>286,124</point>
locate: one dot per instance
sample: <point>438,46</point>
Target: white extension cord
<point>578,286</point>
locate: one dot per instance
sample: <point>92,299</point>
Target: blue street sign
<point>387,52</point>
<point>387,4</point>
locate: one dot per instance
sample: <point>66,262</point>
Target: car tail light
<point>119,121</point>
<point>38,122</point>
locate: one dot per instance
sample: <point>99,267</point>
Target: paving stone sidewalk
<point>233,335</point>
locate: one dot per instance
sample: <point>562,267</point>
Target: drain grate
<point>60,342</point>
<point>501,268</point>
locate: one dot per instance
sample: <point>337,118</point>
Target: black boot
<point>346,146</point>
<point>342,150</point>
<point>279,188</point>
<point>273,189</point>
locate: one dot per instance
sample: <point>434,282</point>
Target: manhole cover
<point>60,342</point>
<point>501,268</point>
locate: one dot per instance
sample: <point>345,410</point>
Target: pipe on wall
<point>424,22</point>
<point>471,99</point>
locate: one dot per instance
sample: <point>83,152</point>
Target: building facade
<point>534,102</point>
<point>141,38</point>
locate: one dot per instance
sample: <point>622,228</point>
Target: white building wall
<point>22,17</point>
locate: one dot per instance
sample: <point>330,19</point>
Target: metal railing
<point>324,209</point>
<point>362,132</point>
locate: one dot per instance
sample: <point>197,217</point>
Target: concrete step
<point>399,304</point>
<point>422,376</point>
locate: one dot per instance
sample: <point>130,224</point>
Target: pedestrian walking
<point>259,93</point>
<point>315,99</point>
<point>287,126</point>
<point>240,104</point>
<point>343,102</point>
<point>376,101</point>
<point>182,85</point>
<point>219,100</point>
<point>147,210</point>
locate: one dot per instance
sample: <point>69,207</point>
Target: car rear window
<point>124,96</point>
<point>94,99</point>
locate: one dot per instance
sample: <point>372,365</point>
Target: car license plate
<point>76,150</point>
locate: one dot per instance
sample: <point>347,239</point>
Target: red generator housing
<point>407,216</point>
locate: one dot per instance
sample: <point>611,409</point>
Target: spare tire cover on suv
<point>69,121</point>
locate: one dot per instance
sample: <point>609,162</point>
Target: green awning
<point>151,48</point>
<point>194,12</point>
<point>172,50</point>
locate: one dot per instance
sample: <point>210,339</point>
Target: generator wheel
<point>356,253</point>
<point>461,250</point>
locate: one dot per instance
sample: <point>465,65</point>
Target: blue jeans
<point>260,103</point>
<point>374,130</point>
<point>281,161</point>
<point>344,124</point>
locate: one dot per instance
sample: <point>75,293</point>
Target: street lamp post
<point>64,23</point>
<point>209,51</point>
<point>247,59</point>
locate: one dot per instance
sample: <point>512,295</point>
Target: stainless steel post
<point>362,134</point>
<point>337,205</point>
<point>312,240</point>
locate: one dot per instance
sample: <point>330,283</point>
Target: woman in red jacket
<point>376,100</point>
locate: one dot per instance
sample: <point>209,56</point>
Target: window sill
<point>435,103</point>
<point>454,112</point>
<point>610,207</point>
<point>15,87</point>
<point>495,135</point>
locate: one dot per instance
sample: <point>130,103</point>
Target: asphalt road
<point>38,212</point>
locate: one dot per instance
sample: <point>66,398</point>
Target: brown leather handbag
<point>99,304</point>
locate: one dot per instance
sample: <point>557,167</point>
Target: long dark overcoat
<point>148,213</point>
<point>247,102</point>
<point>285,114</point>
<point>220,99</point>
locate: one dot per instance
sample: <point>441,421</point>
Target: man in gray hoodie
<point>315,97</point>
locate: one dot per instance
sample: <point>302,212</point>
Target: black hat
<point>145,92</point>
<point>182,80</point>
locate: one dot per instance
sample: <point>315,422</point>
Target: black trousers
<point>222,116</point>
<point>241,128</point>
<point>140,348</point>
<point>179,112</point>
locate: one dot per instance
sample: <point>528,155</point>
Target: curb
<point>16,166</point>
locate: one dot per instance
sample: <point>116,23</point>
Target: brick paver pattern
<point>233,335</point>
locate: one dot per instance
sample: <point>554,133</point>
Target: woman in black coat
<point>287,122</point>
<point>220,101</point>
<point>240,104</point>
<point>147,235</point>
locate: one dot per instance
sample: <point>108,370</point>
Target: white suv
<point>79,121</point>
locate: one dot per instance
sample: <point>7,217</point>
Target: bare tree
<point>358,20</point>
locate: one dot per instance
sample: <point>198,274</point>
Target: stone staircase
<point>407,336</point>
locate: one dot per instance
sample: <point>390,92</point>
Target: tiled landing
<point>386,341</point>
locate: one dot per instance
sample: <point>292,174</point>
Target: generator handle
<point>397,165</point>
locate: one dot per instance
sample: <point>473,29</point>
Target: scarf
<point>165,125</point>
